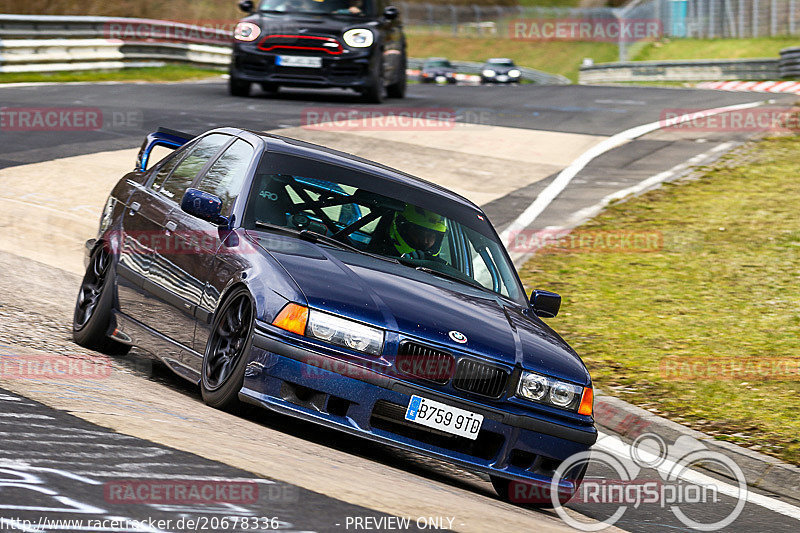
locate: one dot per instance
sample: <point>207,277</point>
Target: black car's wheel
<point>226,352</point>
<point>374,91</point>
<point>398,88</point>
<point>92,316</point>
<point>237,87</point>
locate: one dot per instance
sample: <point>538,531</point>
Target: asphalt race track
<point>62,444</point>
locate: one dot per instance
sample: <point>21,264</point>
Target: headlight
<point>108,213</point>
<point>514,73</point>
<point>359,38</point>
<point>246,31</point>
<point>344,332</point>
<point>330,328</point>
<point>542,389</point>
<point>488,73</point>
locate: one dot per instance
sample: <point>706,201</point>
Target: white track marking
<point>546,197</point>
<point>589,212</point>
<point>616,447</point>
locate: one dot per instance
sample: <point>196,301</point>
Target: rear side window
<point>226,176</point>
<point>187,170</point>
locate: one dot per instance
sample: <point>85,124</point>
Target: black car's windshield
<point>501,62</point>
<point>322,7</point>
<point>386,226</point>
<point>437,63</point>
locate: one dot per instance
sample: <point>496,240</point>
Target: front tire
<point>398,88</point>
<point>237,87</point>
<point>374,91</point>
<point>94,306</point>
<point>226,351</point>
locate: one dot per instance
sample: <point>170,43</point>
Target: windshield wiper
<point>439,273</point>
<point>315,237</point>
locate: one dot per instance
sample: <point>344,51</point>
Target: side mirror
<point>391,13</point>
<point>203,205</point>
<point>545,303</point>
<point>246,6</point>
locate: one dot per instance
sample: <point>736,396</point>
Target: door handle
<point>171,226</point>
<point>135,206</point>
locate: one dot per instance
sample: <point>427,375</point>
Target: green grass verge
<point>714,48</point>
<point>165,73</point>
<point>723,289</point>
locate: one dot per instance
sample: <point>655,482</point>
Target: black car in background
<point>353,44</point>
<point>500,70</point>
<point>437,70</point>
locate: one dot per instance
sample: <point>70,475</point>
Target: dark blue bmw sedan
<point>333,289</point>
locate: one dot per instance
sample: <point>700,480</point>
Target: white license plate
<point>299,61</point>
<point>502,78</point>
<point>444,417</point>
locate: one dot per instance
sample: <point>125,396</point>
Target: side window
<point>165,168</point>
<point>226,176</point>
<point>187,170</point>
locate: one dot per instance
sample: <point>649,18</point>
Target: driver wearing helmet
<point>417,233</point>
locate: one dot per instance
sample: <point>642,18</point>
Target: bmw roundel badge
<point>458,337</point>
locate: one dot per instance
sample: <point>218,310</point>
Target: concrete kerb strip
<point>761,471</point>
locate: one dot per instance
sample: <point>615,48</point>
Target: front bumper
<point>346,71</point>
<point>296,380</point>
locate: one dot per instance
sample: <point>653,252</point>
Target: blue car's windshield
<point>385,226</point>
<point>322,7</point>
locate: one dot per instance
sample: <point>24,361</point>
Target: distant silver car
<point>500,70</point>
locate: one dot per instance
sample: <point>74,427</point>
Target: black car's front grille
<point>423,362</point>
<point>480,378</point>
<point>300,44</point>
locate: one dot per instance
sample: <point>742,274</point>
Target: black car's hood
<point>400,298</point>
<point>297,23</point>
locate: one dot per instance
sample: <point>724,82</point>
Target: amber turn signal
<point>293,317</point>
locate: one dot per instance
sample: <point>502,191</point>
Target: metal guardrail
<point>32,43</point>
<point>695,70</point>
<point>83,43</point>
<point>790,62</point>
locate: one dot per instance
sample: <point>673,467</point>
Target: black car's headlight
<point>550,391</point>
<point>359,38</point>
<point>246,31</point>
<point>514,73</point>
<point>330,328</point>
<point>488,73</point>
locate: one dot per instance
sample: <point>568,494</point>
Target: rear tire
<point>225,358</point>
<point>94,306</point>
<point>237,87</point>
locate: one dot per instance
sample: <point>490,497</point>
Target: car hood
<point>402,299</point>
<point>309,24</point>
<point>499,69</point>
<point>438,71</point>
